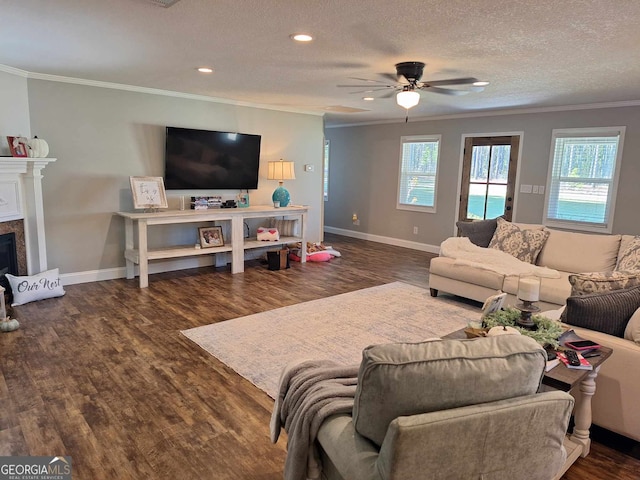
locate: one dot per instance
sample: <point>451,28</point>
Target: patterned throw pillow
<point>525,245</point>
<point>603,312</point>
<point>630,258</point>
<point>584,283</point>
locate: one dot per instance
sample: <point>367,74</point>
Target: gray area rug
<point>338,328</point>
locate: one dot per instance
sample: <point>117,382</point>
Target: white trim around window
<point>582,181</point>
<point>418,177</point>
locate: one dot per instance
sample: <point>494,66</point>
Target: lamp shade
<point>408,98</point>
<point>281,170</point>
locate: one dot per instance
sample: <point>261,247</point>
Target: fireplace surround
<point>22,210</point>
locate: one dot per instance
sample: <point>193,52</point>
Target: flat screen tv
<point>210,160</point>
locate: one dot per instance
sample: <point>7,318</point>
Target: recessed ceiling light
<point>205,70</point>
<point>300,37</point>
<point>368,99</point>
<point>480,84</point>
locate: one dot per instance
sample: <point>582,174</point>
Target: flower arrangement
<point>547,332</point>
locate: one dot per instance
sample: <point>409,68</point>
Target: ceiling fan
<point>407,84</point>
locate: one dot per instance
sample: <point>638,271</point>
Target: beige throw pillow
<point>525,245</point>
<point>630,258</point>
<point>632,332</point>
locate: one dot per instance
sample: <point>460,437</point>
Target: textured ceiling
<point>541,53</point>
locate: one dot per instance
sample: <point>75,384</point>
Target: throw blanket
<point>308,393</point>
<point>466,253</point>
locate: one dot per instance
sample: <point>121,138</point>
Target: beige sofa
<point>618,384</point>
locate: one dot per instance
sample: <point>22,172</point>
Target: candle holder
<point>528,294</point>
<point>527,309</point>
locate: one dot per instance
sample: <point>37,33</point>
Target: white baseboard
<point>423,247</point>
<point>154,267</point>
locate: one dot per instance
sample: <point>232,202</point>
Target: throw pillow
<point>36,287</point>
<point>287,228</point>
<point>479,232</point>
<point>630,258</point>
<point>525,245</point>
<point>603,312</point>
<point>584,283</point>
<point>632,332</point>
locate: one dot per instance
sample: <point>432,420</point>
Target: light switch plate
<point>525,188</point>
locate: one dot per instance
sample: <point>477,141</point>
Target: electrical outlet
<point>415,230</point>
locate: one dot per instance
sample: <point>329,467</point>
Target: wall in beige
<point>364,172</point>
<point>101,136</point>
<point>14,115</point>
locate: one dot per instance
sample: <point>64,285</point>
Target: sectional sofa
<point>571,253</point>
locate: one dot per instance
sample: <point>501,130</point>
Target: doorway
<point>488,177</point>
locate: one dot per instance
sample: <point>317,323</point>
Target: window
<point>325,171</point>
<point>583,178</point>
<point>418,177</point>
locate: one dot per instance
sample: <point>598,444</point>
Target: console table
<point>139,222</point>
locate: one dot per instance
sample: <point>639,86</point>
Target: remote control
<point>572,356</point>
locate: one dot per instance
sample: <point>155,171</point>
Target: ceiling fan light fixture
<point>408,98</point>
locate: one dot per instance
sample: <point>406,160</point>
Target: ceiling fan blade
<point>450,81</point>
<point>446,91</point>
<point>391,76</point>
<point>388,94</point>
<point>367,80</point>
<point>370,90</point>
<point>367,86</point>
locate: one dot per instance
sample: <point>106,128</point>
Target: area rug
<point>258,346</point>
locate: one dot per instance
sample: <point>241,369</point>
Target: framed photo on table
<point>148,192</point>
<point>211,237</point>
<point>17,147</point>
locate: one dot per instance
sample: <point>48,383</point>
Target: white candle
<point>529,289</point>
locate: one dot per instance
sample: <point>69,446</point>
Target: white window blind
<point>583,178</point>
<point>417,181</point>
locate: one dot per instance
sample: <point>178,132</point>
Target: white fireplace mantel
<point>21,198</point>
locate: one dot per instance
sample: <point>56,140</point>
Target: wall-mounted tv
<point>210,160</point>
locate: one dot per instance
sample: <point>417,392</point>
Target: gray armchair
<point>449,410</point>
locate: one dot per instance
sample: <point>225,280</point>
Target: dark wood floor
<point>103,374</point>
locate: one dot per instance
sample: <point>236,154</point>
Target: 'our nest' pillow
<point>607,312</point>
<point>524,244</point>
<point>36,287</point>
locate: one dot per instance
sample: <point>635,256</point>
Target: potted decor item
<point>38,148</point>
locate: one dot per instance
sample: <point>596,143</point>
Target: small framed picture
<point>17,147</point>
<point>148,192</point>
<point>493,303</point>
<point>211,237</point>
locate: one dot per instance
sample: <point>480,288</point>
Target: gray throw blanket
<point>308,393</point>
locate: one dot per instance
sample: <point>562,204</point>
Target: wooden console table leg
<point>142,253</point>
<point>582,413</point>
<point>237,244</point>
<point>128,245</point>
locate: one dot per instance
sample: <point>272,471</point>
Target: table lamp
<point>281,171</point>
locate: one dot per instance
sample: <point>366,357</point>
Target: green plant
<point>547,332</point>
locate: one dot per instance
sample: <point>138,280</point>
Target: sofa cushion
<point>632,330</point>
<point>580,252</point>
<point>523,244</point>
<point>584,283</point>
<point>410,378</point>
<point>603,312</point>
<point>447,267</point>
<point>552,290</point>
<point>629,258</point>
<point>479,232</point>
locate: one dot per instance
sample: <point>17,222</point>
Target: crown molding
<point>499,112</point>
<point>151,91</point>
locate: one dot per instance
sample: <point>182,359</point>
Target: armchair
<point>449,409</point>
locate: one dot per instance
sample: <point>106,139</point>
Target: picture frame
<point>148,192</point>
<point>211,237</point>
<point>17,148</point>
<point>493,304</point>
